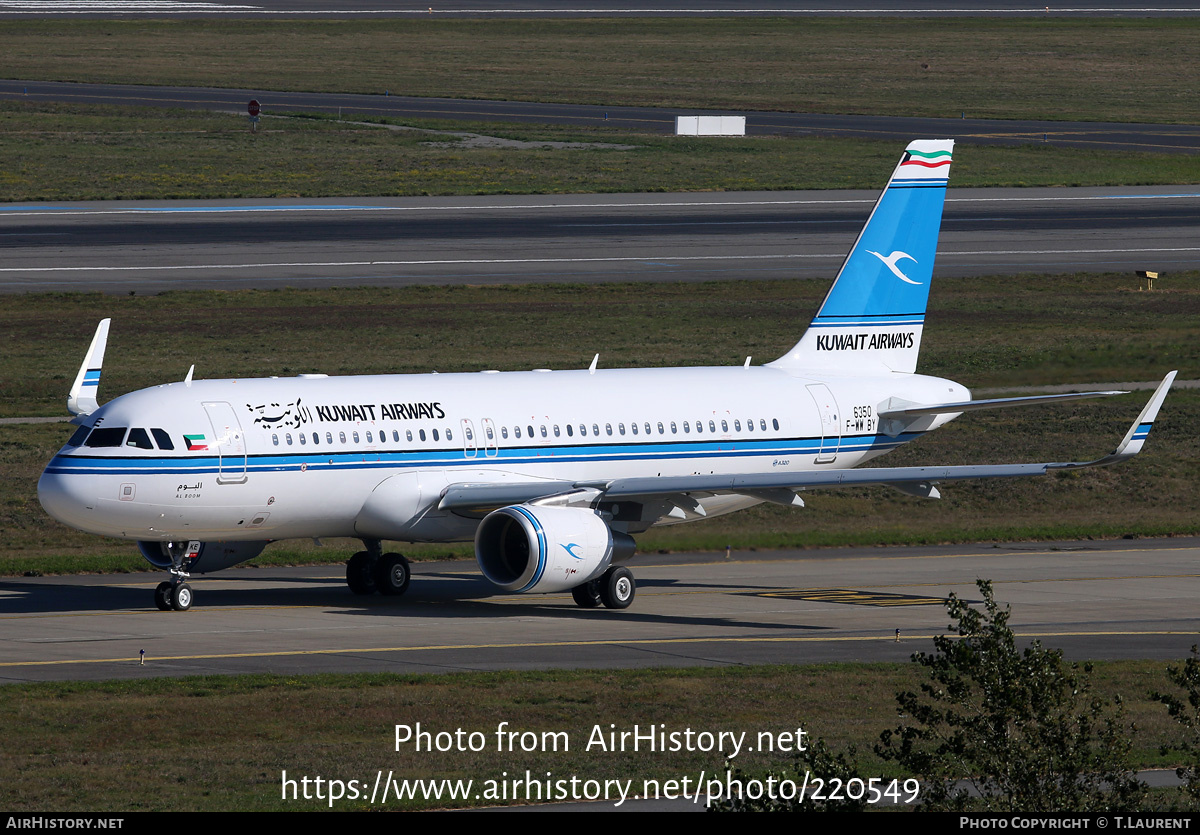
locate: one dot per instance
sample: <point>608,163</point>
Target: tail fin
<point>871,320</point>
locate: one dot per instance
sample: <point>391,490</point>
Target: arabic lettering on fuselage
<point>275,415</point>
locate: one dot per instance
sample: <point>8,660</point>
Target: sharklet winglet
<point>82,398</point>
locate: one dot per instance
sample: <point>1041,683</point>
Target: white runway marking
<point>641,258</point>
<point>93,6</point>
<point>160,6</point>
<point>24,210</point>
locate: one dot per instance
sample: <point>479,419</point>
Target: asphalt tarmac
<point>572,8</point>
<point>149,247</point>
<point>1097,600</point>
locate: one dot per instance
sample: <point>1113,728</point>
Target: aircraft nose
<point>64,497</point>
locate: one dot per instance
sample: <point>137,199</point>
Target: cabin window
<point>396,436</point>
<point>470,434</point>
<point>699,426</point>
<point>354,435</point>
<point>516,431</point>
<point>369,436</point>
<point>762,424</point>
<point>139,438</point>
<point>687,428</point>
<point>408,435</point>
<point>633,426</point>
<point>435,435</point>
<point>712,426</point>
<point>724,426</point>
<point>316,437</point>
<point>750,424</point>
<point>545,434</point>
<point>342,437</point>
<point>491,435</point>
<point>422,434</point>
<point>288,436</point>
<point>596,429</point>
<point>449,435</point>
<point>303,438</point>
<point>583,429</point>
<point>621,428</point>
<point>530,428</point>
<point>107,437</point>
<point>775,423</point>
<point>557,433</point>
<point>608,428</point>
<point>674,431</point>
<point>329,437</point>
<point>504,432</point>
<point>275,440</point>
<point>737,425</point>
<point>570,431</point>
<point>163,439</point>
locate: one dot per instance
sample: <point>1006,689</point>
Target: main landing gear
<point>614,589</point>
<point>373,571</point>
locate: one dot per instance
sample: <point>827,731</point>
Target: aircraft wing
<point>780,487</point>
<point>918,480</point>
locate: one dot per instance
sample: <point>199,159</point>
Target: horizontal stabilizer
<point>899,411</point>
<point>82,399</point>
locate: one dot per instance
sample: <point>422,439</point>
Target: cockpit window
<point>108,436</point>
<point>80,434</point>
<point>163,439</point>
<point>139,438</point>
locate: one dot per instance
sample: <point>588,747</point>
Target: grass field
<point>117,747</point>
<point>1099,69</point>
<point>1025,330</point>
<point>78,152</point>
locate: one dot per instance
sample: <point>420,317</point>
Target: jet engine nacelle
<point>200,557</point>
<point>533,548</point>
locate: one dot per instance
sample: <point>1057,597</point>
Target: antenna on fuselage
<point>82,399</point>
<point>592,367</point>
<point>187,381</point>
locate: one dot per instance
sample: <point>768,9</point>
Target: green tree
<point>1005,729</point>
<point>1186,711</point>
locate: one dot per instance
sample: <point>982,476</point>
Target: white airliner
<point>550,472</point>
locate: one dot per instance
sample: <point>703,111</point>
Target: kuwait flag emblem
<point>195,442</point>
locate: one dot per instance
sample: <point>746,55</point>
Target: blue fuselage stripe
<point>373,460</point>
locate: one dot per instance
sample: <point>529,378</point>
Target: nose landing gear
<point>175,593</point>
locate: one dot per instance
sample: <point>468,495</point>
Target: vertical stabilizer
<point>82,399</point>
<point>871,320</point>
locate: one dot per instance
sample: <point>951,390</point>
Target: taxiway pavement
<point>1097,600</point>
<point>148,247</point>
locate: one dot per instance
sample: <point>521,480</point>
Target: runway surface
<point>1099,600</point>
<point>123,247</point>
<point>1109,136</point>
<point>574,8</point>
